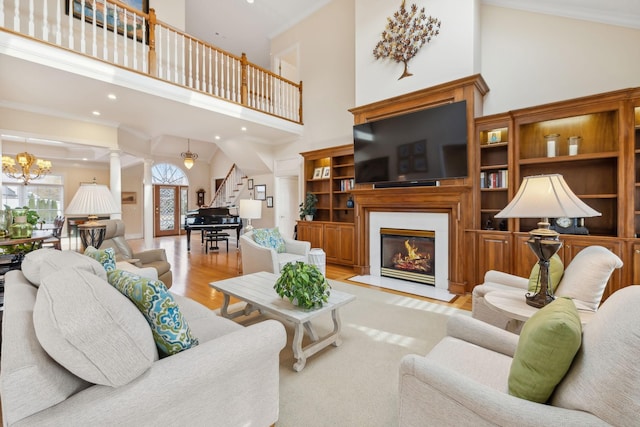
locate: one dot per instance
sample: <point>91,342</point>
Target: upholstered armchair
<point>584,280</point>
<point>257,257</point>
<point>464,379</point>
<point>156,258</point>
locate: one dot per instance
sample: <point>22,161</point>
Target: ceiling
<point>240,27</point>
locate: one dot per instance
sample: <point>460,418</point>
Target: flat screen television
<point>420,147</point>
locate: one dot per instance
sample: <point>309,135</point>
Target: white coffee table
<point>257,290</point>
<point>513,305</point>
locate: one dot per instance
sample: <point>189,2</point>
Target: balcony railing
<point>129,38</point>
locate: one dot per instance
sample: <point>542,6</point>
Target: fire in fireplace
<point>408,255</point>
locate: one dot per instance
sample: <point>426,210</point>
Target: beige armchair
<point>584,280</point>
<point>259,258</point>
<point>156,258</point>
<point>463,380</point>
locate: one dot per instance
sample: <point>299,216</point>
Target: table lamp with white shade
<point>92,200</point>
<point>545,196</point>
<point>250,209</point>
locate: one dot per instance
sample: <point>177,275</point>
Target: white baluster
<point>175,58</point>
<point>190,63</point>
<point>125,37</point>
<point>71,12</point>
<point>32,26</point>
<point>16,15</point>
<point>105,35</point>
<point>94,30</point>
<point>116,19</point>
<point>45,23</point>
<point>59,23</point>
<point>168,53</point>
<point>2,13</point>
<point>83,42</point>
<point>135,41</point>
<point>184,68</point>
<point>197,66</point>
<point>159,52</point>
<point>216,81</point>
<point>145,47</point>
<point>210,89</point>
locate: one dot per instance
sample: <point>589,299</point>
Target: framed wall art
<point>261,192</point>
<point>269,201</point>
<point>326,172</point>
<point>250,184</point>
<point>114,17</point>
<point>317,173</point>
<point>129,197</point>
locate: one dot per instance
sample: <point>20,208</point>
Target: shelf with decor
<point>333,226</point>
<point>585,149</point>
<point>492,133</point>
<point>594,143</point>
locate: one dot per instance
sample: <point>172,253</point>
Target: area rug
<point>356,383</point>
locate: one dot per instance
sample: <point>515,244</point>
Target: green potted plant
<point>308,207</point>
<point>303,284</point>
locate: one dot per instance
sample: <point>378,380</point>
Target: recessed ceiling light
<point>243,129</point>
<point>250,1</point>
<point>112,96</point>
<point>217,137</point>
<point>96,113</point>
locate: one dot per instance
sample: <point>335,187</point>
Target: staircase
<point>228,193</point>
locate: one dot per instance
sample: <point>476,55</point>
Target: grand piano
<point>212,219</point>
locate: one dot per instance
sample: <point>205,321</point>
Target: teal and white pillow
<point>170,329</point>
<point>106,257</point>
<point>269,238</point>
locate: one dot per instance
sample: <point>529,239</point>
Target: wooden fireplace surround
<point>453,197</point>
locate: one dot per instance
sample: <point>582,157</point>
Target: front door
<point>168,204</point>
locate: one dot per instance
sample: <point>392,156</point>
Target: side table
<point>512,304</point>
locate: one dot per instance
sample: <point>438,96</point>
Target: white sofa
<point>584,280</point>
<point>230,378</point>
<point>257,258</point>
<point>463,380</point>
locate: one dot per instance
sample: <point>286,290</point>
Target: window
<point>45,196</point>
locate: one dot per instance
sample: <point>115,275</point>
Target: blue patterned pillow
<point>269,238</point>
<point>170,329</point>
<point>106,257</point>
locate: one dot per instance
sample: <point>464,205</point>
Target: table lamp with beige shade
<point>544,197</point>
<point>92,200</point>
<point>250,209</point>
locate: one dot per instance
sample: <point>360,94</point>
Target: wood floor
<point>194,270</point>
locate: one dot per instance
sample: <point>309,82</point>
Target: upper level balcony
<point>106,40</point>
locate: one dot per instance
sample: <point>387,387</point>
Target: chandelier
<point>28,167</point>
<point>189,157</point>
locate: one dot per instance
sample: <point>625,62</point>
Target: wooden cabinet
<point>311,231</point>
<point>494,250</point>
<point>339,247</point>
<point>329,174</point>
<point>604,172</point>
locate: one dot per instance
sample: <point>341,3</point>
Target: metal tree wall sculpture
<point>406,32</point>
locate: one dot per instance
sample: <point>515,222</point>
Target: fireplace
<point>408,255</point>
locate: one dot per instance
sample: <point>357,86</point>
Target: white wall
<point>326,43</point>
<point>530,59</point>
<point>449,56</point>
<point>171,12</point>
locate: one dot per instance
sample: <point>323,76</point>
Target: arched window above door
<point>165,173</point>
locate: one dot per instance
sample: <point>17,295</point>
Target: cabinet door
<point>494,252</point>
<point>339,243</point>
<point>574,244</point>
<point>310,231</point>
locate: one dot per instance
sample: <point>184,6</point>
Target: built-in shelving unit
<point>329,174</point>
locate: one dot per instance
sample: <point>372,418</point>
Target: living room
<point>527,58</point>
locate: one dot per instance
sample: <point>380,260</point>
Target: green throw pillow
<point>548,342</point>
<point>556,270</point>
<point>106,257</point>
<point>269,238</point>
<point>170,329</point>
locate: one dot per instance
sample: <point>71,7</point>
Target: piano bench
<point>210,238</point>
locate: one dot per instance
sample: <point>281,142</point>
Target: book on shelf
<point>347,184</point>
<point>496,179</point>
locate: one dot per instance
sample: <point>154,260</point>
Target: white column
<point>115,181</point>
<point>148,209</point>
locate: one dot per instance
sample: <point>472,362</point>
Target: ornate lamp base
<point>544,243</point>
<point>92,234</point>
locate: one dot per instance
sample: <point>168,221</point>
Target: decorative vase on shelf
<point>20,229</point>
<point>308,217</point>
<point>5,222</point>
<point>350,203</point>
